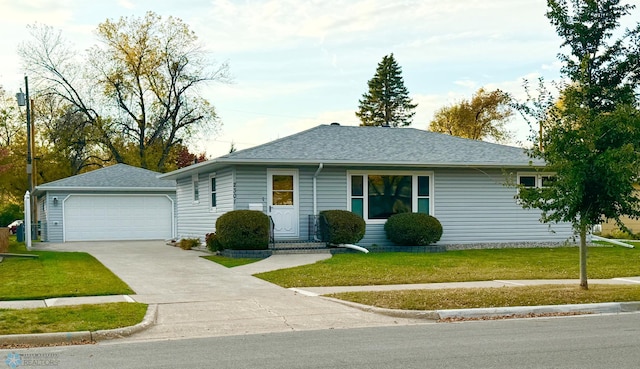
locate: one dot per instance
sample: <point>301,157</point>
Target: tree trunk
<point>583,257</point>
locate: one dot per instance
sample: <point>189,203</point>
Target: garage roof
<point>119,177</point>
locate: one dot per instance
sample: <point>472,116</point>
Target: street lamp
<point>23,100</point>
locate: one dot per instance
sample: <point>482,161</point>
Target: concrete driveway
<point>199,298</point>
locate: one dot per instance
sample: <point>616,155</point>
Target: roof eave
<point>224,161</point>
<point>381,163</point>
<point>42,189</point>
<point>190,170</point>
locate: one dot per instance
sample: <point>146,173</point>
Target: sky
<point>296,64</point>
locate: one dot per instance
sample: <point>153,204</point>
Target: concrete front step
<point>301,251</point>
<point>299,248</point>
<point>297,245</point>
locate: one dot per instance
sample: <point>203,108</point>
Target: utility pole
<point>26,101</point>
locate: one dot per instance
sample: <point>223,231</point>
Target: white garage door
<point>117,217</point>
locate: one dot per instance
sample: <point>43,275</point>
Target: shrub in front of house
<point>189,243</point>
<point>243,230</point>
<point>413,229</point>
<point>341,227</point>
<point>212,242</point>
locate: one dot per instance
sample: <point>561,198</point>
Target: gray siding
<point>475,207</point>
<point>251,186</point>
<point>331,190</point>
<point>196,219</point>
<point>51,217</point>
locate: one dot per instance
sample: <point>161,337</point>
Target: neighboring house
<point>119,202</point>
<point>609,227</point>
<point>374,172</point>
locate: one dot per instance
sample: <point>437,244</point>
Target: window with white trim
<point>535,180</point>
<point>213,191</point>
<point>195,188</point>
<point>378,195</point>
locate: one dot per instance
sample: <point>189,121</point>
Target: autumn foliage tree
<point>135,95</point>
<point>482,117</point>
<point>186,158</point>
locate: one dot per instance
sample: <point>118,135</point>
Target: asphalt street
<point>599,341</point>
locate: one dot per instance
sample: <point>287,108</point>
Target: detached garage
<point>119,202</point>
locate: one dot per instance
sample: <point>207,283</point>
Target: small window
<point>283,191</point>
<point>196,188</point>
<point>547,181</point>
<point>423,194</point>
<point>213,192</point>
<point>527,181</point>
<point>536,180</point>
<point>357,195</point>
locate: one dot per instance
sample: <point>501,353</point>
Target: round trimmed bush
<point>413,229</point>
<point>243,230</point>
<point>341,226</point>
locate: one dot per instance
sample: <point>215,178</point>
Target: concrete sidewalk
<point>194,297</point>
<point>199,298</point>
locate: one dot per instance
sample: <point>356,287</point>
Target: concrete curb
<point>515,311</point>
<point>109,334</point>
<point>46,339</point>
<point>61,338</point>
<point>397,313</point>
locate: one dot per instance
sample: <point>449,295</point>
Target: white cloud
<point>127,4</point>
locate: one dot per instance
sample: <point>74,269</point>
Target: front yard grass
<point>56,274</point>
<point>466,298</point>
<point>458,266</point>
<point>71,318</point>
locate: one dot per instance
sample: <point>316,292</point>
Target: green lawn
<point>56,274</point>
<point>457,266</point>
<point>466,298</point>
<point>71,318</point>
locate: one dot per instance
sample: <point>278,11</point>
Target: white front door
<point>283,202</point>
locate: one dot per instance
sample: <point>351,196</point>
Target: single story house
<point>119,202</point>
<point>611,228</point>
<point>374,172</point>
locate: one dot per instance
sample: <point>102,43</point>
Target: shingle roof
<point>354,145</point>
<point>115,177</point>
<point>383,145</point>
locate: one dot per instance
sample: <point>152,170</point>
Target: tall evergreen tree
<point>387,102</point>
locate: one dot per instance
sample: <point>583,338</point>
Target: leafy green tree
<point>136,94</point>
<point>387,102</point>
<point>591,139</point>
<point>482,117</point>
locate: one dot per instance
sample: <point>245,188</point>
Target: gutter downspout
<point>315,194</point>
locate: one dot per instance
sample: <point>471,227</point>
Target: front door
<point>283,202</point>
